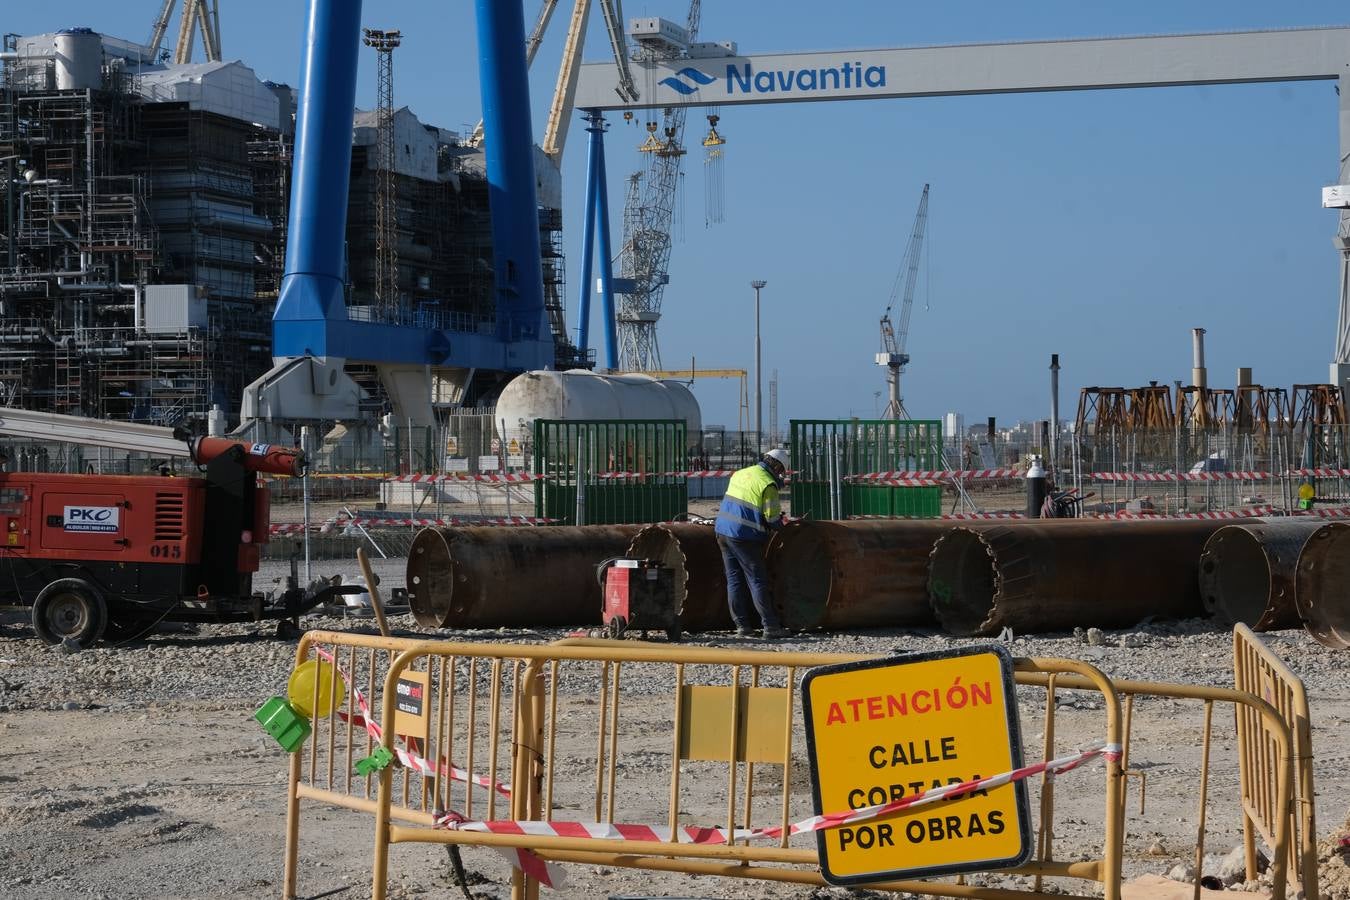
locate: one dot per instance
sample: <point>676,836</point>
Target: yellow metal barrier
<point>614,732</point>
<point>1257,670</point>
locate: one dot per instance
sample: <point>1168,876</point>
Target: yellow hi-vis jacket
<point>750,507</point>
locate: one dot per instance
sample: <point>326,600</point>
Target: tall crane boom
<point>893,355</point>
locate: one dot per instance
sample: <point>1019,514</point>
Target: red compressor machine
<point>639,595</point>
<point>112,556</point>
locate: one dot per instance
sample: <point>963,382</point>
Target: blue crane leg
<point>510,170</point>
<point>593,176</point>
<point>312,285</point>
<point>606,269</point>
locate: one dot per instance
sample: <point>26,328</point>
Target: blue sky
<point>1099,225</point>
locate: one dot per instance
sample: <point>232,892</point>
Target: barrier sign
<point>884,730</point>
<point>411,714</point>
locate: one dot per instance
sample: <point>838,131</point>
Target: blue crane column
<point>509,146</point>
<point>311,318</point>
<point>595,128</point>
<point>312,286</point>
<point>606,266</point>
<point>597,220</point>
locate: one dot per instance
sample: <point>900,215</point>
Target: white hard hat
<point>778,455</point>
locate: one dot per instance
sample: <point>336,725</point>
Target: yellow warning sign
<point>513,447</point>
<point>884,730</point>
<point>452,445</point>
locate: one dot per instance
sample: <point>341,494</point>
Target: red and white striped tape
<point>1180,476</point>
<point>406,757</point>
<point>527,861</point>
<point>957,516</point>
<point>692,473</point>
<point>1330,512</point>
<point>328,526</point>
<point>1320,473</point>
<point>1214,514</point>
<point>930,476</point>
<point>608,831</point>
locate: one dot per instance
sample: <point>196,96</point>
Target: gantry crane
<point>893,355</point>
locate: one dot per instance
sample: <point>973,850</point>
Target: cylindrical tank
<point>79,59</point>
<point>1320,585</point>
<point>485,577</point>
<point>582,394</point>
<point>1046,575</point>
<point>700,580</point>
<point>1247,572</point>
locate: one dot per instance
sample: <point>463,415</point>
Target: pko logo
<point>743,80</point>
<point>92,518</point>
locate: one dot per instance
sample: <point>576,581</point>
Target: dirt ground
<point>138,771</point>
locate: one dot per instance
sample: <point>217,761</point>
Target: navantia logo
<point>699,79</point>
<point>743,79</point>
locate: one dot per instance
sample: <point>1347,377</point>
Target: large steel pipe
<point>488,577</point>
<point>857,574</point>
<point>1247,572</point>
<point>1037,577</point>
<point>700,580</point>
<point>1320,590</point>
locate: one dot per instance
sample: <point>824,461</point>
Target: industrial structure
<point>144,214</point>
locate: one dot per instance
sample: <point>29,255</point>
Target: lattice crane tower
<point>386,188</point>
<point>648,212</point>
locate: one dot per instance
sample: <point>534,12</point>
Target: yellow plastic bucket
<point>300,688</point>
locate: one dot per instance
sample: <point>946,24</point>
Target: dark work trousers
<point>747,581</point>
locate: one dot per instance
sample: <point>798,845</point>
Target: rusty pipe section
<point>1036,577</point>
<point>1320,585</point>
<point>853,574</point>
<point>1247,572</point>
<point>700,580</point>
<point>486,577</point>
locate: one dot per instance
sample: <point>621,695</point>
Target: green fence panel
<point>580,456</point>
<point>860,446</point>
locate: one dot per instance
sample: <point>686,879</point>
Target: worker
<point>749,512</point>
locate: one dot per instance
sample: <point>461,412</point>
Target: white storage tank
<point>79,59</point>
<point>582,394</point>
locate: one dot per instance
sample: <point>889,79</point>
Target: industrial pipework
<point>1319,586</point>
<point>486,577</point>
<point>1247,572</point>
<point>854,574</point>
<point>1054,575</point>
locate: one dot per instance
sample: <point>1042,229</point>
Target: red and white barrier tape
<point>957,516</point>
<point>328,526</point>
<point>1215,514</point>
<point>1331,512</point>
<point>692,473</point>
<point>1179,476</point>
<point>931,476</point>
<point>409,759</point>
<point>608,831</point>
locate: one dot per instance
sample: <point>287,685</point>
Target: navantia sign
<point>883,730</point>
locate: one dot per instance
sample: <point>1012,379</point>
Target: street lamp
<point>759,375</point>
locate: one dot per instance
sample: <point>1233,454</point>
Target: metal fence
<point>610,471</point>
<point>826,453</point>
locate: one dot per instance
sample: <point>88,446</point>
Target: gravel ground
<point>137,771</point>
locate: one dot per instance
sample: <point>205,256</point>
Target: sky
<point>1100,225</point>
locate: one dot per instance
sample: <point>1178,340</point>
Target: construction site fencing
<point>828,454</point>
<point>1181,471</point>
<point>583,751</point>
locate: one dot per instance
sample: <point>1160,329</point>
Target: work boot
<point>772,634</point>
<point>744,631</point>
